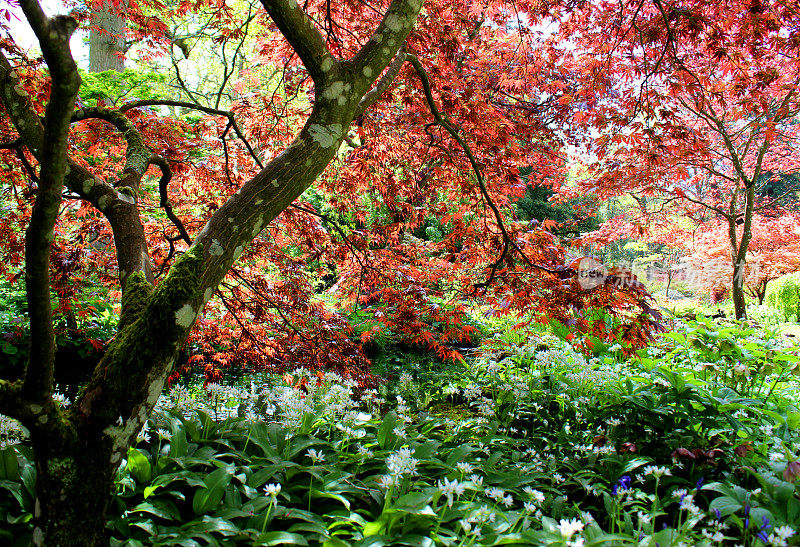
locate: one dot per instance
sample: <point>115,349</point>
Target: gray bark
<point>107,40</point>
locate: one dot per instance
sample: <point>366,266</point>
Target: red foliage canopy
<point>475,97</point>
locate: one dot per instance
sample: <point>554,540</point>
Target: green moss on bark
<point>72,500</point>
<point>154,327</point>
<point>134,299</point>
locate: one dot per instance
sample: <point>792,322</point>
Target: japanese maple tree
<point>162,208</point>
<point>692,104</point>
<point>774,250</point>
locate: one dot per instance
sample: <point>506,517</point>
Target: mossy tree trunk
<point>78,450</point>
<point>73,491</point>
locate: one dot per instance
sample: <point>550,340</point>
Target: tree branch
<point>445,123</point>
<point>120,209</point>
<point>166,176</point>
<point>303,36</point>
<point>382,84</point>
<point>245,214</point>
<point>53,35</point>
<point>390,34</point>
<point>137,153</point>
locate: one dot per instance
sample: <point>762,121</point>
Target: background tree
<point>774,250</point>
<point>697,101</point>
<point>107,38</point>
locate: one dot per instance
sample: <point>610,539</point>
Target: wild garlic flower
<point>477,480</point>
<point>272,490</point>
<point>61,399</point>
<point>451,489</point>
<point>387,481</point>
<point>401,462</point>
<point>536,495</point>
<point>450,389</point>
<point>144,434</point>
<point>406,382</point>
<point>568,528</point>
<point>656,471</point>
<point>495,493</point>
<point>464,467</point>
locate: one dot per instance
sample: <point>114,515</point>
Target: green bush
<point>98,88</point>
<point>784,295</point>
<point>765,315</point>
<point>82,331</point>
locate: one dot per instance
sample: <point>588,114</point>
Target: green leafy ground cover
<point>694,442</point>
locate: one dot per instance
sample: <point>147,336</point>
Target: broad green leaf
<point>210,495</point>
<point>725,505</point>
<point>212,525</point>
<point>178,447</point>
<point>9,466</point>
<point>373,528</point>
<point>280,538</point>
<point>139,465</point>
<point>317,494</point>
<point>157,509</point>
<point>415,540</point>
<point>16,490</point>
<point>459,454</point>
<point>386,430</point>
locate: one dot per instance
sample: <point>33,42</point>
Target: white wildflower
<point>402,462</point>
<point>569,527</point>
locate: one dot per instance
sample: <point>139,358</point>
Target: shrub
<point>81,335</point>
<point>784,295</point>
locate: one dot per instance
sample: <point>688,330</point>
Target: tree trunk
<point>73,491</point>
<point>761,291</point>
<point>739,247</point>
<point>739,302</point>
<point>107,38</point>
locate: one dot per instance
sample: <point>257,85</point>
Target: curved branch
<point>120,209</point>
<point>166,176</point>
<point>444,122</point>
<point>383,83</point>
<point>137,153</point>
